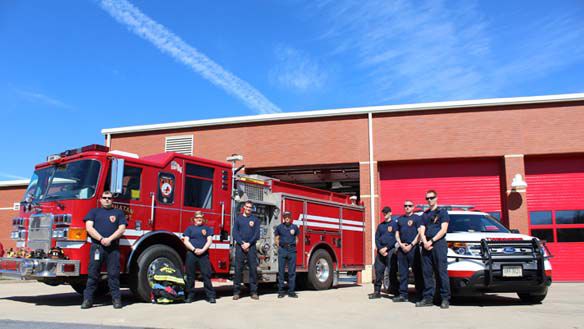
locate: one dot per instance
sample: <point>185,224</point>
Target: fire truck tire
<point>320,270</point>
<point>139,275</point>
<point>529,298</point>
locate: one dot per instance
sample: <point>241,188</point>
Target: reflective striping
<point>220,246</point>
<point>324,225</point>
<point>70,244</point>
<point>331,220</point>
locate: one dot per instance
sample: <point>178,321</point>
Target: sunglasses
<point>408,205</point>
<point>430,198</point>
<point>106,198</point>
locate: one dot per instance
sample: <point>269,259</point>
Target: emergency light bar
<point>448,206</point>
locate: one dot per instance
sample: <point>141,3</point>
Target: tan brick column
<point>516,199</point>
<point>366,196</point>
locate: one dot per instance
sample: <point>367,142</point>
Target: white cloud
<point>296,70</point>
<point>170,44</point>
<point>433,50</point>
<point>10,176</point>
<point>43,99</point>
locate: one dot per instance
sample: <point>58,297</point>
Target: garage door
<point>555,200</point>
<point>466,182</point>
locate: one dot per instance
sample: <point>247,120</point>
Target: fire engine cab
<point>159,195</point>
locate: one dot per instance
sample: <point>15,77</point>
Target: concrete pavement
<point>344,307</point>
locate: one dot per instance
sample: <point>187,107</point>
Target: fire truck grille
<point>254,192</point>
<point>39,233</point>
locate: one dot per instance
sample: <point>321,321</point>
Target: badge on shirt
<point>251,223</point>
<point>292,232</point>
<point>204,232</point>
<point>389,228</point>
<point>112,219</point>
<point>410,222</point>
<point>436,219</point>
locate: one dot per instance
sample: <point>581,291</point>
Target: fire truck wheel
<point>320,270</point>
<point>153,255</point>
<point>529,298</point>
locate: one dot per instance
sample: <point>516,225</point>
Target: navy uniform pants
<point>252,262</point>
<point>287,256</point>
<point>382,262</point>
<point>435,265</point>
<point>202,262</point>
<point>405,261</point>
<point>111,256</point>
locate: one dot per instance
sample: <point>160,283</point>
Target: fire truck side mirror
<point>117,175</point>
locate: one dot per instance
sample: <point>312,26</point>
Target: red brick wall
<point>479,133</point>
<point>8,195</point>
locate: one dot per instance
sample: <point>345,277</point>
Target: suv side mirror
<point>117,175</point>
<point>514,230</point>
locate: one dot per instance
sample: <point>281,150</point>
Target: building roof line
<point>10,183</point>
<point>348,111</point>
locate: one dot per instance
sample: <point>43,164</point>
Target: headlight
<point>60,233</point>
<point>465,248</point>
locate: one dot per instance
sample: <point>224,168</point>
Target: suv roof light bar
<point>448,206</point>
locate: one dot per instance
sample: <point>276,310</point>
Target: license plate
<point>512,271</point>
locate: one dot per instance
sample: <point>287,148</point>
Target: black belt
<point>287,245</point>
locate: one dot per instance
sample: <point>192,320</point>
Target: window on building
<point>540,217</point>
<point>543,234</point>
<point>570,234</point>
<point>198,186</point>
<point>570,217</point>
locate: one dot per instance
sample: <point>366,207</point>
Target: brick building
<point>469,151</point>
<point>11,193</point>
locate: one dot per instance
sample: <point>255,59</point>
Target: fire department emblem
<point>292,231</point>
<point>166,189</point>
<point>204,232</point>
<point>410,222</point>
<point>251,223</point>
<point>112,219</point>
<point>390,228</point>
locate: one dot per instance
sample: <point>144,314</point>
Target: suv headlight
<point>465,248</point>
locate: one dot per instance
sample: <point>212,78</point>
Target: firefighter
<point>246,232</point>
<point>105,226</point>
<point>197,239</point>
<point>385,243</point>
<point>433,232</point>
<point>286,238</point>
<point>407,240</point>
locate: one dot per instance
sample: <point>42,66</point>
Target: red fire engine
<point>159,194</point>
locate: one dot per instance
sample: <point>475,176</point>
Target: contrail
<point>167,42</point>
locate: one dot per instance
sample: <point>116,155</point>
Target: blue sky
<point>70,68</point>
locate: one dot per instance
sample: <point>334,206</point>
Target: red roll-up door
<point>555,200</point>
<point>460,182</point>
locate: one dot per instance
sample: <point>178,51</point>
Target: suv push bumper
<point>31,268</point>
<point>477,283</point>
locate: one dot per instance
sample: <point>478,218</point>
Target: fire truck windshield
<point>73,180</point>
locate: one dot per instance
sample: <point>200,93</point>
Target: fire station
<point>520,159</point>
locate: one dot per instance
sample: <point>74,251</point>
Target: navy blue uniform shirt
<point>198,235</point>
<point>408,228</point>
<point>433,219</point>
<point>246,229</point>
<point>385,234</point>
<point>106,221</point>
<point>287,234</point>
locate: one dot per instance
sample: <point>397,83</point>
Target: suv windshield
<point>475,223</point>
<point>73,180</point>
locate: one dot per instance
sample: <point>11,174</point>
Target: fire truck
<point>159,195</point>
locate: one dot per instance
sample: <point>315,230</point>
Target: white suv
<point>485,256</point>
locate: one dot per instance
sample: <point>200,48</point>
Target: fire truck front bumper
<point>31,268</point>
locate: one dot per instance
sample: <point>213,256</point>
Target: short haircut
<point>408,200</point>
<point>107,192</point>
<point>248,202</point>
<point>431,191</point>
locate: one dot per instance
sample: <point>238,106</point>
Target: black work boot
<point>86,304</point>
<point>117,303</point>
<point>445,304</point>
<point>190,299</point>
<point>400,299</point>
<point>424,303</point>
<point>375,295</point>
<point>281,295</point>
<point>292,295</point>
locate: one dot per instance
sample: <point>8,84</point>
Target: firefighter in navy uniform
<point>246,232</point>
<point>286,238</point>
<point>385,243</point>
<point>433,232</point>
<point>105,226</point>
<point>197,239</point>
<point>407,238</point>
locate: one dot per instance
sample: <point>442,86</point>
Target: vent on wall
<point>179,144</point>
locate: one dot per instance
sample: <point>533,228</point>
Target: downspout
<point>108,140</point>
<point>371,186</point>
